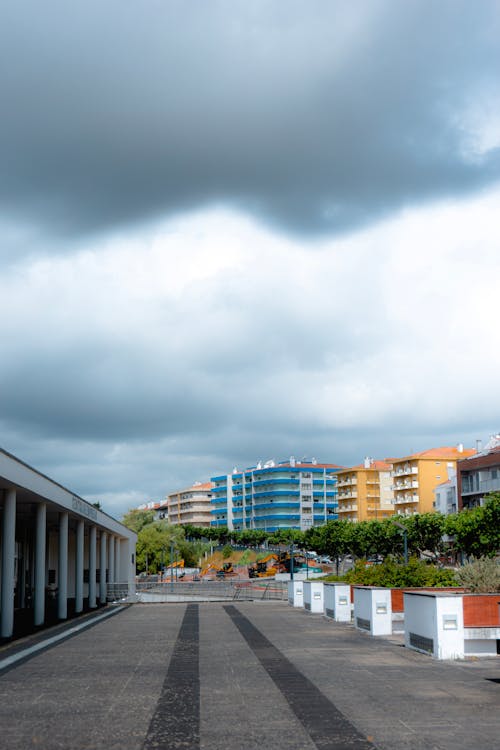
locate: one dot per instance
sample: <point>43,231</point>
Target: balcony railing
<point>404,499</point>
<point>485,485</point>
<point>405,484</point>
<point>404,471</point>
<point>347,495</point>
<point>346,482</point>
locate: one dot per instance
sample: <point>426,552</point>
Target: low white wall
<point>337,601</point>
<point>476,647</point>
<point>373,610</point>
<point>313,596</point>
<point>481,641</point>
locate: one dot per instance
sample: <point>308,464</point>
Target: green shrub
<point>245,558</point>
<point>481,576</point>
<point>391,574</point>
<point>227,551</point>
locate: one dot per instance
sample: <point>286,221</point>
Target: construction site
<point>245,564</point>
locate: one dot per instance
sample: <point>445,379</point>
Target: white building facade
<point>57,552</point>
<point>271,496</point>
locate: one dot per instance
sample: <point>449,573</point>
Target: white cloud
<point>210,341</point>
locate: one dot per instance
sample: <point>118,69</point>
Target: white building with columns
<point>56,550</point>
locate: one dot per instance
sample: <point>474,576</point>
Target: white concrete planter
<point>434,623</point>
<point>296,593</point>
<point>373,610</point>
<point>313,596</point>
<point>337,601</point>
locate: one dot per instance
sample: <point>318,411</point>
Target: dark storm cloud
<point>316,116</point>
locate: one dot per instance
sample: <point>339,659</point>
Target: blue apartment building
<point>286,495</point>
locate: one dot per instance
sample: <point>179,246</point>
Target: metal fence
<point>151,592</point>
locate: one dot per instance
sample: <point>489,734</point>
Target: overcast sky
<point>233,231</point>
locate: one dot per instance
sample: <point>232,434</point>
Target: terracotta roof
<point>375,465</point>
<point>446,452</point>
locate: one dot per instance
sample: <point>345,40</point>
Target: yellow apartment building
<point>415,477</point>
<point>365,491</point>
<point>191,505</point>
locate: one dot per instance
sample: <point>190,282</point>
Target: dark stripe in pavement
<point>176,720</point>
<point>327,726</point>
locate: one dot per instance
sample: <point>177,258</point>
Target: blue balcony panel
<point>277,505</point>
<point>278,493</point>
<point>287,480</point>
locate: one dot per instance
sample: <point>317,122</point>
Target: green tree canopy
<point>154,545</point>
<point>136,519</point>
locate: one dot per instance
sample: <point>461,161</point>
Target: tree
<point>154,542</point>
<point>136,519</point>
<point>425,533</point>
<point>287,536</point>
<point>477,531</point>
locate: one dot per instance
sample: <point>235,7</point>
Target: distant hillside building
<point>416,476</point>
<point>286,495</point>
<point>365,491</point>
<point>191,505</point>
<point>188,506</point>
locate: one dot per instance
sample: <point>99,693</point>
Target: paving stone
<point>261,675</point>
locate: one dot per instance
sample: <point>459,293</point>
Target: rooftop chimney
<point>460,447</point>
<point>368,462</point>
<point>479,445</point>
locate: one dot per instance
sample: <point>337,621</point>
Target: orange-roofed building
<point>415,477</point>
<point>365,491</point>
<point>191,505</point>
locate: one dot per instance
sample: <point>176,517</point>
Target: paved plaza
<point>247,676</point>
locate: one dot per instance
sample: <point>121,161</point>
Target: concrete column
<point>117,560</point>
<point>103,587</point>
<point>111,556</point>
<point>8,556</point>
<point>79,567</point>
<point>62,568</point>
<point>40,553</point>
<point>92,566</point>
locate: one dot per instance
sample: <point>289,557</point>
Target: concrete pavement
<point>240,677</point>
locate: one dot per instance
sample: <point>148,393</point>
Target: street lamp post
<point>171,566</point>
<point>291,561</point>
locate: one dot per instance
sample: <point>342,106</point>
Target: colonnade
<point>109,561</point>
